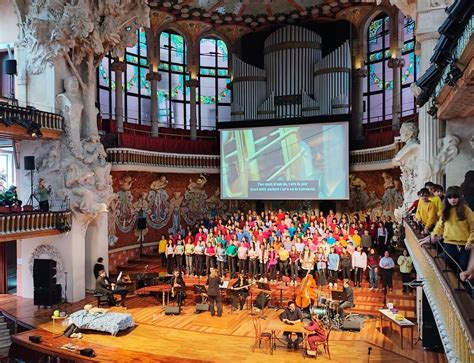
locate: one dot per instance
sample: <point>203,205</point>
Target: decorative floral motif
<point>50,252</point>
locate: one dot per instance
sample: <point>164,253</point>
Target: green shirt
<point>231,250</point>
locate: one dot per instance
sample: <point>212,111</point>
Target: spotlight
<point>32,128</point>
<point>454,74</point>
<point>433,110</point>
<point>7,121</point>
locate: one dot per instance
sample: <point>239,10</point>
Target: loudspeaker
<point>172,310</point>
<point>262,300</point>
<point>44,272</point>
<point>10,66</point>
<point>352,324</point>
<point>47,297</point>
<point>431,338</point>
<point>201,308</point>
<point>29,163</point>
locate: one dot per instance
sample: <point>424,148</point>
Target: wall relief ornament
<point>47,252</point>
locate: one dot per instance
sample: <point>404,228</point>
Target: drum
<point>322,301</point>
<point>320,312</point>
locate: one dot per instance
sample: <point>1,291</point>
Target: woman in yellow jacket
<point>456,226</point>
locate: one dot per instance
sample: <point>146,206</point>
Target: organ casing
<point>296,80</point>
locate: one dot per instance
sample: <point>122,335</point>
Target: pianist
<point>104,286</point>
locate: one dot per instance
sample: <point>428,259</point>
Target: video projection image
<point>285,162</point>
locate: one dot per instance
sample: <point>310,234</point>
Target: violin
<point>306,292</point>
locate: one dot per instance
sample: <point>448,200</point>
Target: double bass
<point>306,292</point>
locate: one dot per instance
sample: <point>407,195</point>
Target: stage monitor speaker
<point>29,162</point>
<point>201,308</point>
<point>47,296</point>
<point>172,310</point>
<point>10,66</point>
<point>431,338</point>
<point>44,272</point>
<point>262,300</point>
<point>352,324</point>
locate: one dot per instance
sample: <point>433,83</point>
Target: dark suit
<point>214,294</point>
<point>102,286</point>
<point>239,296</point>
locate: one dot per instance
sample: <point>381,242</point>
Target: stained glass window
<point>378,91</point>
<point>173,96</point>
<point>214,97</point>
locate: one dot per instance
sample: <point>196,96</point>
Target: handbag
<point>71,329</point>
<point>88,352</point>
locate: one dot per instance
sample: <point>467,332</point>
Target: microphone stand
<point>369,351</point>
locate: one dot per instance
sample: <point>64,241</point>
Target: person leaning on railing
<point>427,211</point>
<point>456,227</point>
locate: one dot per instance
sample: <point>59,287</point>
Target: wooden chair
<point>101,298</point>
<point>326,344</point>
<point>260,336</point>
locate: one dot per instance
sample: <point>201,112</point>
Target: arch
<point>366,23</point>
<point>213,33</point>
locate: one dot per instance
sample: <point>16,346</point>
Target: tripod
<point>32,197</point>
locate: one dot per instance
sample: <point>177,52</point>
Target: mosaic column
<point>192,84</point>
<point>118,67</point>
<point>154,78</point>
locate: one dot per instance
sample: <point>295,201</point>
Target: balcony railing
<point>451,303</point>
<point>375,155</point>
<point>47,120</point>
<point>33,222</point>
<point>123,156</point>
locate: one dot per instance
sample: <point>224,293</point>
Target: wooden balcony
<point>51,123</point>
<point>451,303</point>
<point>32,224</point>
<point>141,160</point>
<point>376,158</point>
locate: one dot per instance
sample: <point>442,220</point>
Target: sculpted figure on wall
<point>159,205</point>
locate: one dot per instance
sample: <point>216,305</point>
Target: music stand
<point>338,295</point>
<point>200,290</point>
<point>263,286</point>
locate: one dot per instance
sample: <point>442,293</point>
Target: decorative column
<point>396,64</point>
<point>118,66</point>
<point>192,83</point>
<point>154,77</point>
<point>358,76</point>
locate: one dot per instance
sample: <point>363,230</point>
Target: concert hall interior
<point>236,180</point>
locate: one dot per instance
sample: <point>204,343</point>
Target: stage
<point>200,337</point>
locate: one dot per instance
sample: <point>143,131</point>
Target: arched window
<point>214,96</point>
<point>173,96</point>
<point>378,87</point>
<point>410,69</point>
<point>136,88</point>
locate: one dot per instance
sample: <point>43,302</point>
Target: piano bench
<point>101,299</point>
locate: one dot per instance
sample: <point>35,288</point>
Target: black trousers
<point>405,279</point>
<point>239,299</point>
<point>386,277</point>
<point>199,259</point>
<point>215,300</point>
<point>346,272</point>
<point>358,272</point>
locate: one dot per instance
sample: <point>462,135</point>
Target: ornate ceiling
<point>253,13</point>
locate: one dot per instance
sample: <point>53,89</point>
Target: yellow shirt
<point>455,231</point>
<point>435,200</point>
<point>162,246</point>
<point>356,238</point>
<point>427,213</point>
<point>283,254</point>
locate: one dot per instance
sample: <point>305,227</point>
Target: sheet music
<point>119,278</point>
<point>225,284</point>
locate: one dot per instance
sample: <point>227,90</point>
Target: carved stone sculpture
<point>407,160</point>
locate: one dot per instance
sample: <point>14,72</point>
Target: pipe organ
<point>295,82</point>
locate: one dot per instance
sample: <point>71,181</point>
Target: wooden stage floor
<point>213,339</point>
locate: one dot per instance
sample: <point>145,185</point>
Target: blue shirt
<point>387,263</point>
<point>292,231</point>
<point>331,240</point>
<point>333,259</point>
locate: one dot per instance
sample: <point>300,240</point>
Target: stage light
<point>433,110</point>
<point>33,129</point>
<point>7,121</point>
<point>454,74</point>
<point>442,52</point>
